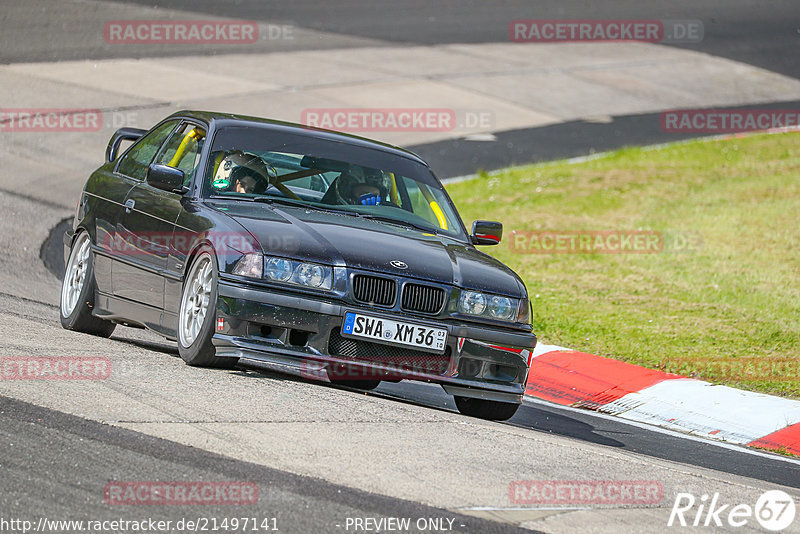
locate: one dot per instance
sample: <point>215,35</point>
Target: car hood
<point>345,240</point>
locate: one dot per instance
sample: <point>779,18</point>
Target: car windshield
<point>260,164</point>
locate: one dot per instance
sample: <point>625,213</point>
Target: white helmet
<point>223,179</point>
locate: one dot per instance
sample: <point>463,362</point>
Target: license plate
<point>394,332</point>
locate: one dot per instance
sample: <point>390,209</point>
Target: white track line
<point>673,433</point>
<point>541,348</point>
<point>705,409</point>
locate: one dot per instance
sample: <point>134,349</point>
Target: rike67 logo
<point>774,510</point>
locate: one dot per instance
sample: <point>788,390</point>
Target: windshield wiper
<point>281,200</point>
<point>399,222</point>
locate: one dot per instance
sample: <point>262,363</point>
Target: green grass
<point>704,313</point>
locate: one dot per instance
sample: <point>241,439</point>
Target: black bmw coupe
<point>318,253</point>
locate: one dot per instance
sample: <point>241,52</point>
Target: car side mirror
<point>486,233</point>
<point>165,178</point>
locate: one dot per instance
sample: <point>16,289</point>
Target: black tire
<point>358,384</point>
<point>77,315</point>
<point>486,409</point>
<point>200,351</point>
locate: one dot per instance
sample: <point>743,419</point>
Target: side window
<point>182,151</point>
<point>136,161</point>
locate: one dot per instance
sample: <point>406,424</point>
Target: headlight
<point>472,302</point>
<point>249,265</point>
<point>310,275</point>
<point>501,308</point>
<point>279,269</point>
<point>492,306</point>
<point>300,273</point>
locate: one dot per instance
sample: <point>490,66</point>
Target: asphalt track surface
<point>461,157</point>
<point>577,424</point>
<point>38,442</point>
<point>93,451</point>
<point>586,426</point>
<point>571,423</point>
<point>742,30</point>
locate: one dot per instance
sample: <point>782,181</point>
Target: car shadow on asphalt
<point>256,369</point>
<point>416,394</point>
<point>149,345</point>
<point>533,418</point>
<point>527,417</point>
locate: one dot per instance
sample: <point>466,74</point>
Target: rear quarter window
<point>135,162</point>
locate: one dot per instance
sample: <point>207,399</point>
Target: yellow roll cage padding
<point>434,206</point>
<point>193,135</point>
<point>394,196</point>
<point>217,162</point>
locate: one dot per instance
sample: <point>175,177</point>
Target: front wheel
<point>77,291</point>
<point>197,312</point>
<point>486,409</point>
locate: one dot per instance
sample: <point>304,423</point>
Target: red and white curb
<point>578,379</point>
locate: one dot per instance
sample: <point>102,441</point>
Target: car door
<point>105,195</point>
<point>148,221</point>
<point>136,253</point>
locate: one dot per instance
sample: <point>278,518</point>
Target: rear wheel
<point>197,312</point>
<point>77,291</point>
<point>486,409</point>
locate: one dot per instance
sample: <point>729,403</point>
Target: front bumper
<point>301,335</point>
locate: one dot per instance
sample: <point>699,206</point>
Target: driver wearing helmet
<point>241,172</point>
<point>354,186</point>
<point>245,180</point>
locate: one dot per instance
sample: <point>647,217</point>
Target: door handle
<point>129,204</point>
